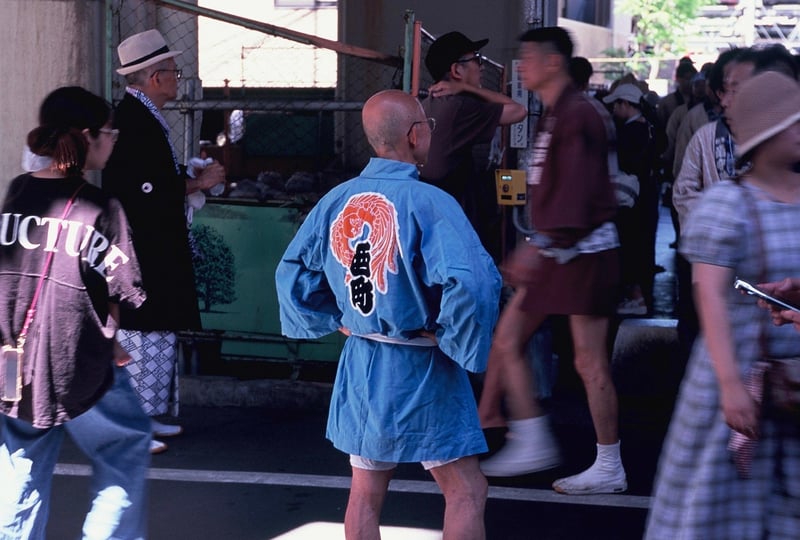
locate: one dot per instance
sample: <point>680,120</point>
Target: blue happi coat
<point>385,255</point>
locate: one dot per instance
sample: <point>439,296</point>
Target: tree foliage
<point>631,64</point>
<point>659,26</point>
<point>214,267</point>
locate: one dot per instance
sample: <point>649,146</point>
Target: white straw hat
<point>763,106</point>
<point>142,50</point>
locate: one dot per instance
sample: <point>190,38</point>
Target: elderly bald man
<point>393,263</point>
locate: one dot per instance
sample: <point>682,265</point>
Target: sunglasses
<point>475,57</point>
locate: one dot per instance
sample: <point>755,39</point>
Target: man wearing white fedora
<point>145,175</point>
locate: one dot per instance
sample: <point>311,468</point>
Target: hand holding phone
<point>753,291</point>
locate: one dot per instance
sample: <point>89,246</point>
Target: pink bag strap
<point>45,269</point>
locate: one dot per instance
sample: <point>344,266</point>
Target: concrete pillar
<point>45,44</point>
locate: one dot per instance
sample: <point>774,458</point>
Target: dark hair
<point>63,115</point>
<point>556,36</point>
<point>685,70</point>
<point>717,74</point>
<point>775,57</point>
<point>580,69</point>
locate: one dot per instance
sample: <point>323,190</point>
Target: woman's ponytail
<point>67,147</point>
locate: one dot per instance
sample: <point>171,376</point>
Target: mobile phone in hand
<point>742,285</point>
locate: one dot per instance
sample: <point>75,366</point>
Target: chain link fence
<point>492,73</point>
<point>493,77</point>
<point>281,109</point>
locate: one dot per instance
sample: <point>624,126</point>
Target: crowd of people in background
<point>398,260</point>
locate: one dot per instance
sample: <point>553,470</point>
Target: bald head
<point>394,123</point>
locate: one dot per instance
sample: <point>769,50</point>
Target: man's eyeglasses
<point>430,121</point>
<point>113,132</point>
<point>178,72</point>
<point>476,56</point>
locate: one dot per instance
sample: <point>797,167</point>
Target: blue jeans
<point>114,434</point>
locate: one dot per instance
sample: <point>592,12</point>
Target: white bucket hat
<point>142,50</point>
<point>627,92</point>
<point>763,106</point>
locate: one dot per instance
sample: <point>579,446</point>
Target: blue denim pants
<point>114,435</point>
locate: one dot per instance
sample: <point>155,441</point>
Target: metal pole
<point>286,33</point>
<point>417,58</point>
<point>539,13</point>
<point>263,104</point>
<point>408,50</point>
<point>108,53</point>
<point>536,14</point>
<point>188,122</point>
<point>227,155</point>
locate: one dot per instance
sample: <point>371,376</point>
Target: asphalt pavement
<point>253,462</point>
<point>258,473</point>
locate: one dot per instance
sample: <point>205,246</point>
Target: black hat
<point>448,49</point>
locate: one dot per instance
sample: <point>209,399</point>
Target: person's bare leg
<point>607,474</point>
<point>530,446</point>
<point>591,362</point>
<point>465,490</point>
<point>508,373</point>
<point>490,407</point>
<point>367,493</point>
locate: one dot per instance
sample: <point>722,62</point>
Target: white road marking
<point>343,482</point>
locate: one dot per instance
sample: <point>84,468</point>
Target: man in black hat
<point>466,114</point>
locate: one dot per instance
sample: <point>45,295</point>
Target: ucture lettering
<point>77,238</point>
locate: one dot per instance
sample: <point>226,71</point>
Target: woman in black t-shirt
<point>66,252</point>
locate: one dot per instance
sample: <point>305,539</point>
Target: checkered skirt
<point>698,493</point>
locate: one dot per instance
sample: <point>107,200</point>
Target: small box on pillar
<point>511,187</point>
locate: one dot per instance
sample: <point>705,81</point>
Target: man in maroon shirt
<point>570,266</point>
<point>466,115</point>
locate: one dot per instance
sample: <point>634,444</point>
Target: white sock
<point>606,475</point>
<point>529,428</point>
<point>608,457</point>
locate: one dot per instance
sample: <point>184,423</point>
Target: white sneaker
<point>632,307</point>
<point>156,447</point>
<point>165,430</point>
<point>593,481</point>
<point>523,455</point>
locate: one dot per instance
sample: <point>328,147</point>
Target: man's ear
<point>455,71</point>
<point>412,137</point>
<point>154,79</point>
<point>554,61</point>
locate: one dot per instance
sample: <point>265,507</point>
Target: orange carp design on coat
<point>364,239</point>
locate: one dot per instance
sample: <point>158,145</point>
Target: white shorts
<point>374,465</point>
